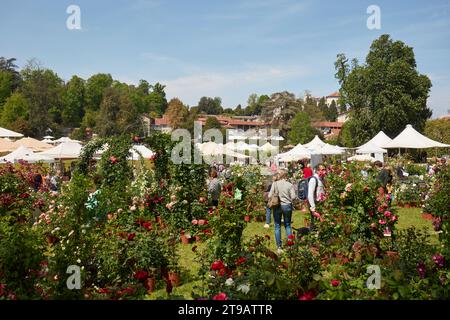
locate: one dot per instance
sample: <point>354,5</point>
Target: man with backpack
<point>312,189</point>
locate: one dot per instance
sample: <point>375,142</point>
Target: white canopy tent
<point>5,133</point>
<point>66,140</point>
<point>33,144</point>
<point>327,149</point>
<point>49,137</point>
<point>7,145</point>
<point>370,148</point>
<point>241,146</point>
<point>268,147</point>
<point>25,154</point>
<point>410,138</point>
<point>314,143</point>
<point>65,150</point>
<point>297,153</point>
<point>214,149</point>
<point>379,140</point>
<point>138,150</point>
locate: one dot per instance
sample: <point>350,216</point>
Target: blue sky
<point>228,48</point>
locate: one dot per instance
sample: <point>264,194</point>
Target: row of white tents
<point>32,150</point>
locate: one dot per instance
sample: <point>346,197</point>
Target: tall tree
<point>106,123</point>
<point>280,109</point>
<point>388,90</point>
<point>9,66</point>
<point>176,113</point>
<point>16,107</point>
<point>212,123</point>
<point>73,102</point>
<point>210,106</point>
<point>43,90</point>
<point>6,86</point>
<point>301,129</point>
<point>332,112</point>
<point>313,110</point>
<point>156,100</point>
<point>95,87</point>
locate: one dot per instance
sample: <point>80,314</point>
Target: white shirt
<point>312,198</point>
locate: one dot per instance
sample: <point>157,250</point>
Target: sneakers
<point>280,251</point>
<point>266,226</point>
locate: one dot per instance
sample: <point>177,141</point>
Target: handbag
<point>274,201</point>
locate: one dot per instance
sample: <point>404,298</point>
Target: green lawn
<point>407,217</point>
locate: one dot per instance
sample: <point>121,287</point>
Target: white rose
<point>229,282</point>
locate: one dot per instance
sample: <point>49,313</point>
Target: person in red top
<point>307,171</point>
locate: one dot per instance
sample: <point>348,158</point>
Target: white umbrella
<point>370,148</point>
<point>410,138</point>
<point>65,150</point>
<point>297,153</point>
<point>25,154</point>
<point>379,140</point>
<point>327,149</point>
<point>66,140</point>
<point>315,142</point>
<point>5,133</point>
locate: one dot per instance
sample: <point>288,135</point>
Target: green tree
<point>156,101</point>
<point>313,110</point>
<point>385,93</point>
<point>439,130</point>
<point>332,112</point>
<point>73,102</point>
<point>43,89</point>
<point>301,129</point>
<point>15,107</point>
<point>280,109</point>
<point>9,66</point>
<point>95,87</point>
<point>109,113</point>
<point>210,106</point>
<point>212,123</point>
<point>176,113</point>
<point>6,86</point>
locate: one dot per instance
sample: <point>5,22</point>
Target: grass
<point>407,217</point>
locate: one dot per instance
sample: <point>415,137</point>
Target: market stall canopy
<point>214,149</point>
<point>49,137</point>
<point>65,150</point>
<point>410,138</point>
<point>5,133</point>
<point>362,157</point>
<point>267,147</point>
<point>66,139</point>
<point>7,145</point>
<point>370,148</point>
<point>380,140</point>
<point>241,146</point>
<point>316,142</point>
<point>140,150</point>
<point>48,141</point>
<point>327,149</point>
<point>297,153</point>
<point>25,154</point>
<point>33,144</point>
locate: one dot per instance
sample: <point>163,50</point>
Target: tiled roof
<point>328,124</point>
<point>334,95</point>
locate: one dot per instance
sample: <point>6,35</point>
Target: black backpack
<point>302,188</point>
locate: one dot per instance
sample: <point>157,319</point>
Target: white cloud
<point>230,85</point>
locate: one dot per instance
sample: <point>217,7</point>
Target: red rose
<point>141,275</point>
<point>194,222</point>
<point>290,243</point>
<point>335,283</point>
<point>220,296</point>
<point>113,159</point>
<point>291,236</point>
<point>103,290</point>
<point>240,261</point>
<point>216,265</point>
<point>147,225</point>
<point>247,218</point>
<point>387,214</point>
<point>131,236</point>
<point>310,295</point>
<point>202,222</point>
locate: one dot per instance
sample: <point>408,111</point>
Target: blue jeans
<point>286,210</point>
<point>268,214</point>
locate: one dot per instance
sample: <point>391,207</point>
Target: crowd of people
<point>306,190</point>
